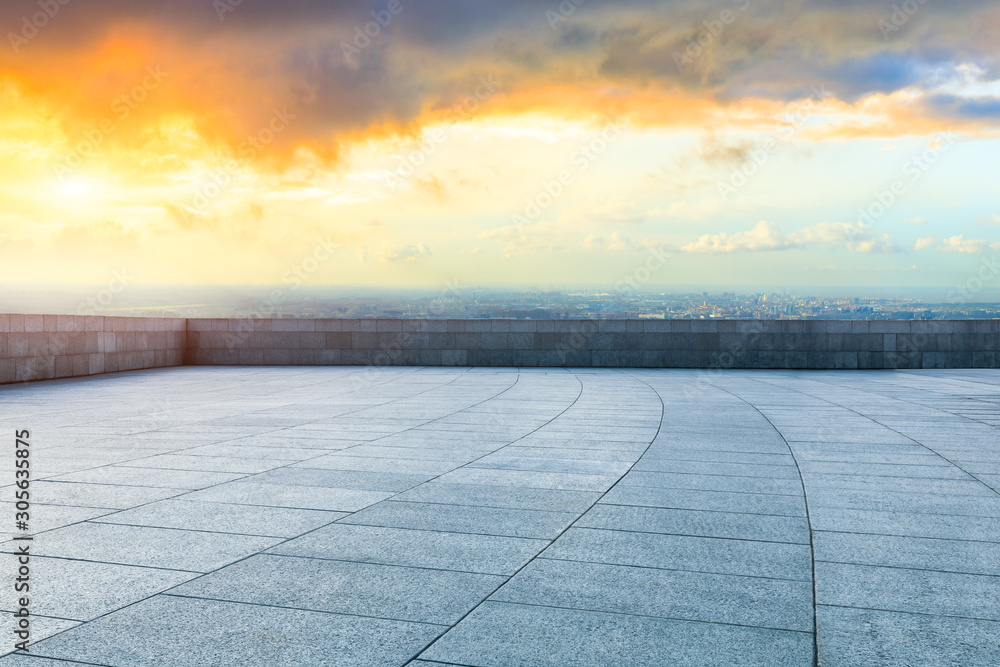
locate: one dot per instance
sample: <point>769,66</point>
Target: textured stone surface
<point>46,347</point>
<point>483,516</point>
<point>36,347</point>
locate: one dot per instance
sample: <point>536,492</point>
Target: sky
<point>463,142</point>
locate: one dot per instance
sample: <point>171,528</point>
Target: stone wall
<point>811,344</point>
<point>45,347</point>
<point>39,347</point>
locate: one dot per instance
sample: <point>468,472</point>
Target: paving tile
<point>869,638</point>
<point>912,552</point>
<point>527,478</point>
<point>279,495</point>
<point>224,517</point>
<point>696,554</point>
<point>699,555</point>
<point>717,468</point>
<point>697,523</point>
<point>662,480</point>
<point>41,628</point>
<point>486,554</point>
<point>754,601</point>
<point>343,479</point>
<point>230,464</point>
<point>906,590</point>
<point>896,501</point>
<point>516,497</point>
<point>983,529</point>
<point>283,450</point>
<point>573,453</point>
<point>97,495</point>
<point>370,464</point>
<point>149,547</point>
<point>465,519</point>
<point>363,589</point>
<point>553,465</point>
<point>49,517</point>
<point>150,477</point>
<point>183,632</point>
<point>950,487</point>
<point>81,590</point>
<point>22,660</point>
<point>716,501</point>
<point>501,634</point>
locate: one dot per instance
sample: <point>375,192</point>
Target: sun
<point>76,188</point>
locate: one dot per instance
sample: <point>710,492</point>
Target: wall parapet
<point>764,344</point>
<point>39,347</point>
<point>47,347</point>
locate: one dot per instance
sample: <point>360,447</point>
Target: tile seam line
<point>710,573</point>
<point>912,613</point>
<point>378,564</point>
<point>650,616</point>
<point>247,476</point>
<point>533,558</point>
<point>900,433</point>
<point>630,376</point>
<point>184,492</point>
<point>284,541</point>
<point>689,535</point>
<point>203,574</point>
<point>305,609</point>
<point>30,656</point>
<point>812,532</point>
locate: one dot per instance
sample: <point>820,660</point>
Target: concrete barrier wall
<point>38,347</point>
<point>45,347</point>
<point>810,344</point>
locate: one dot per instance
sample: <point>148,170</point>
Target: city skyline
<point>394,143</point>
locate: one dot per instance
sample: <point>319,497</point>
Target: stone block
<point>389,326</point>
<point>251,357</point>
<point>277,357</point>
<point>8,371</point>
<point>63,367</point>
<point>339,340</point>
<point>454,357</point>
<point>478,326</point>
<point>493,341</point>
<point>521,341</point>
<point>364,341</point>
<point>441,341</point>
<point>523,326</point>
<point>34,324</point>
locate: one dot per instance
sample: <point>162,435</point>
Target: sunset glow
<point>486,142</point>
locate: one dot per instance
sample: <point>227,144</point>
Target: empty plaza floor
<point>494,517</point>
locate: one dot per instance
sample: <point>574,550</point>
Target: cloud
<point>960,244</point>
<point>915,221</point>
<point>619,242</point>
<point>433,186</point>
<point>228,76</point>
<point>541,236</point>
<point>766,236</point>
<point>406,252</point>
<point>614,211</point>
<point>989,219</point>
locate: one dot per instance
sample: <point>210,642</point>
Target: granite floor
<point>497,517</point>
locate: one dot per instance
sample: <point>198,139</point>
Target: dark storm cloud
<point>432,51</point>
